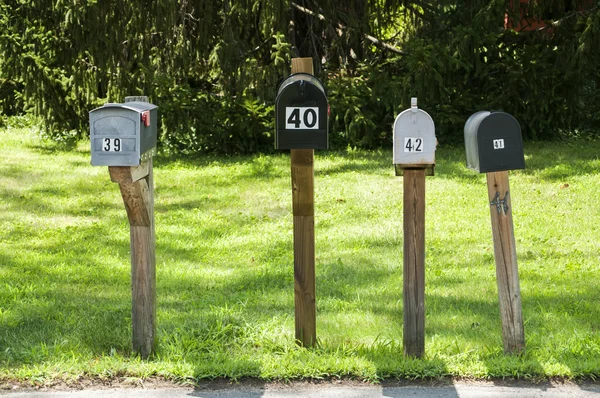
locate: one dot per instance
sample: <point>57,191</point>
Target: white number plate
<point>111,145</point>
<point>499,144</point>
<point>302,118</point>
<point>413,144</point>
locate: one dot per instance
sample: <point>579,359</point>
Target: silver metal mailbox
<point>123,134</point>
<point>414,139</point>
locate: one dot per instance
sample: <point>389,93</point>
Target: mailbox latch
<point>500,203</point>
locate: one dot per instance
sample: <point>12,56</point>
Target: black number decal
<point>413,144</point>
<point>295,118</point>
<point>111,144</point>
<point>419,142</point>
<point>313,118</point>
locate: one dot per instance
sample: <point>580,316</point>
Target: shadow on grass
<point>474,318</point>
<point>59,303</point>
<point>48,312</point>
<point>26,190</point>
<point>549,161</point>
<point>88,310</point>
<point>48,147</point>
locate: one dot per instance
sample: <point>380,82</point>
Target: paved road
<point>329,390</point>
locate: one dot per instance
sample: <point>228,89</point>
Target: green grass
<point>225,267</point>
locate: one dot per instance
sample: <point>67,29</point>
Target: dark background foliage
<point>213,66</point>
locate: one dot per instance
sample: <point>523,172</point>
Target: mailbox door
<point>301,113</point>
<point>414,138</point>
<point>500,143</point>
<point>471,131</point>
<point>113,136</point>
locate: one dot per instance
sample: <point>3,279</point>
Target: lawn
<point>225,301</point>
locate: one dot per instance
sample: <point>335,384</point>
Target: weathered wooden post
<point>123,137</point>
<point>414,157</point>
<point>494,145</point>
<point>301,114</point>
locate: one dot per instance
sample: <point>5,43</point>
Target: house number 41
<point>499,144</point>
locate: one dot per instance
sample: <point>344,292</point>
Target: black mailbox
<point>493,142</point>
<point>301,113</point>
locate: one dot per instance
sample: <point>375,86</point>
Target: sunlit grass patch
<point>225,286</point>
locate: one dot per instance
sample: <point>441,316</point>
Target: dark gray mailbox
<point>301,113</point>
<point>123,134</point>
<point>493,142</point>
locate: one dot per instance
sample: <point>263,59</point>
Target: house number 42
<point>413,144</point>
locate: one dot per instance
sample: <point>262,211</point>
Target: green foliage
<point>213,67</point>
<point>353,114</point>
<point>196,121</point>
<point>11,102</point>
<point>462,59</point>
<point>215,59</point>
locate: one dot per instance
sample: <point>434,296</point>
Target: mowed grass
<point>225,295</point>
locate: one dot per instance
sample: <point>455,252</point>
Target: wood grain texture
<point>302,65</point>
<point>303,199</point>
<point>137,189</point>
<point>143,276</point>
<point>121,174</point>
<point>507,273</point>
<point>303,190</point>
<point>399,168</point>
<point>414,262</point>
<point>304,280</point>
<point>136,197</point>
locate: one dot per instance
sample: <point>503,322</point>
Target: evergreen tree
<point>212,66</point>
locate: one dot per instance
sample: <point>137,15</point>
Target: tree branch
<point>370,38</point>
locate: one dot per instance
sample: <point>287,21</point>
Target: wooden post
<point>137,190</point>
<point>505,253</point>
<point>303,200</point>
<point>414,262</point>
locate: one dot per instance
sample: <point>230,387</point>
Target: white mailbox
<point>414,140</point>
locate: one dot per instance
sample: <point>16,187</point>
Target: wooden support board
<point>414,262</point>
<point>303,200</point>
<point>137,189</point>
<point>505,254</point>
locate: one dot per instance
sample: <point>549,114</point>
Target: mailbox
<point>493,142</point>
<point>123,134</point>
<point>301,113</point>
<point>414,140</point>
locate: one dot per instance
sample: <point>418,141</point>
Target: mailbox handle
<point>322,86</point>
<point>413,110</point>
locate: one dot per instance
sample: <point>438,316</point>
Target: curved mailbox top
<point>300,77</point>
<point>132,106</point>
<point>414,138</point>
<point>301,113</point>
<point>493,142</point>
